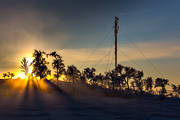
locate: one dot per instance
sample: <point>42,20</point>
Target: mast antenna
<point>116,29</point>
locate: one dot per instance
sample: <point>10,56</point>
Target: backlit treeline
<point>121,80</point>
<point>8,75</point>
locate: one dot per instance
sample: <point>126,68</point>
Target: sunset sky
<point>82,32</point>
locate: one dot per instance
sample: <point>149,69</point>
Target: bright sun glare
<point>29,59</point>
<point>22,75</point>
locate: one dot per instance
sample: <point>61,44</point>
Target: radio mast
<point>116,28</point>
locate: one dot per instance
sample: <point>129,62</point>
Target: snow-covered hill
<point>39,100</point>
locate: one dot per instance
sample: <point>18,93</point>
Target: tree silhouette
<point>111,77</point>
<point>161,82</point>
<point>100,78</point>
<point>114,80</point>
<point>5,75</point>
<point>8,75</point>
<point>138,80</point>
<point>133,85</point>
<point>73,73</point>
<point>82,78</point>
<point>39,63</point>
<point>24,66</point>
<point>129,73</point>
<point>90,74</point>
<point>107,78</point>
<point>176,90</point>
<point>148,82</point>
<point>97,78</point>
<point>11,75</point>
<point>57,64</point>
<point>119,69</point>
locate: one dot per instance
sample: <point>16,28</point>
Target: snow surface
<point>39,100</point>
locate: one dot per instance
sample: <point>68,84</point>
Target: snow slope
<point>38,100</point>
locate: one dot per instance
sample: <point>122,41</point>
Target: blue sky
<point>82,31</point>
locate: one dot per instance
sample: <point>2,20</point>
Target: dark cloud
<point>76,21</point>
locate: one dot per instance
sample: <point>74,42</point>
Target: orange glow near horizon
<point>62,77</point>
<point>20,75</point>
<point>22,84</point>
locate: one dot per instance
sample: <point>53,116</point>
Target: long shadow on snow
<point>31,104</point>
<point>75,105</point>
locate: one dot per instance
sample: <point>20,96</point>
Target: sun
<point>22,75</point>
<point>30,69</point>
<point>30,60</point>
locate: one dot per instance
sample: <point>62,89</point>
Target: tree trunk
<point>73,84</point>
<point>57,75</point>
<point>127,82</point>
